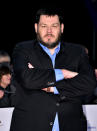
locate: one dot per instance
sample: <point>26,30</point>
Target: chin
<point>8,83</point>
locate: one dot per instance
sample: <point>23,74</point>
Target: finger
<point>30,66</point>
<point>44,89</point>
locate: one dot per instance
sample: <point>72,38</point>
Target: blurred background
<point>80,19</point>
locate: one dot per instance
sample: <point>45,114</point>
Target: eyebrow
<point>55,24</point>
<point>52,24</point>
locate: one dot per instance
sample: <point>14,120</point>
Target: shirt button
<point>51,123</point>
<point>57,104</point>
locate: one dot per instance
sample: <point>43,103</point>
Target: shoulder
<point>24,47</point>
<point>73,48</point>
<point>26,44</point>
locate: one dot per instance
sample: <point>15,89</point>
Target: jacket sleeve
<point>33,78</point>
<point>81,85</point>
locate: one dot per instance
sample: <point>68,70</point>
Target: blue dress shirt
<point>59,76</point>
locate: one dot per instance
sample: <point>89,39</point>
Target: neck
<point>52,50</point>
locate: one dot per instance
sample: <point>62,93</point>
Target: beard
<point>48,44</point>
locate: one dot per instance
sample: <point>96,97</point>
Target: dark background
<point>17,23</point>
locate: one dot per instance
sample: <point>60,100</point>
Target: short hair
<point>49,12</point>
<point>4,54</point>
<point>4,70</point>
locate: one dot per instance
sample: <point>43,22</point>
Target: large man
<point>53,79</point>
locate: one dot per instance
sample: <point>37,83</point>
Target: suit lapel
<point>61,58</point>
<point>44,59</point>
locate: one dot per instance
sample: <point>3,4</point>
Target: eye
<point>43,26</point>
<point>55,26</point>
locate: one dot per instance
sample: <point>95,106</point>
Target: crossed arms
<point>32,78</point>
<point>66,73</point>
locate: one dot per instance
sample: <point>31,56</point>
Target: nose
<point>49,30</point>
<point>9,76</point>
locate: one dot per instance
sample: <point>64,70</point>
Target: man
<point>53,79</point>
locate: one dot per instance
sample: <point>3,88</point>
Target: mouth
<point>49,35</point>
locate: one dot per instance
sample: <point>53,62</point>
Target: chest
<point>68,61</point>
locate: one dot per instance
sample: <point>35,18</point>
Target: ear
<point>35,26</point>
<point>62,28</point>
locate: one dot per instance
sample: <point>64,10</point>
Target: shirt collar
<point>47,50</point>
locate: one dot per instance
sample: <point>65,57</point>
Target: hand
<point>69,74</point>
<point>30,66</point>
<point>49,89</point>
<point>1,94</point>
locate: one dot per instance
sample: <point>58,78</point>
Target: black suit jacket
<point>35,109</point>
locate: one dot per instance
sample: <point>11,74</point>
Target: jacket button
<point>51,123</point>
<point>50,83</point>
<point>63,97</point>
<point>57,104</point>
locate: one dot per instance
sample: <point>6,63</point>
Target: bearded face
<point>49,30</point>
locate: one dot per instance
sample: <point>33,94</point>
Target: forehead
<point>4,59</point>
<point>47,19</point>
